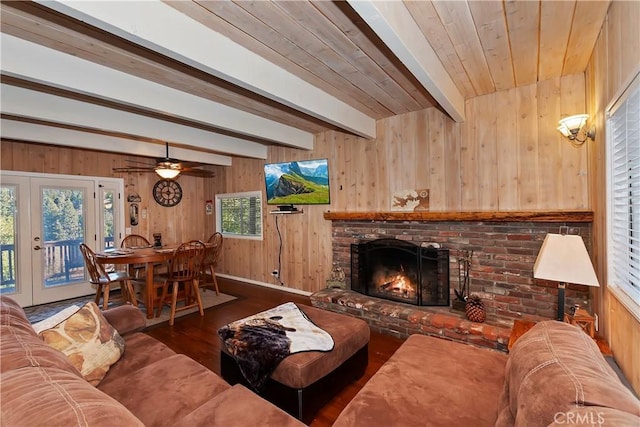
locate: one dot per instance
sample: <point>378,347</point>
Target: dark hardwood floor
<point>197,337</point>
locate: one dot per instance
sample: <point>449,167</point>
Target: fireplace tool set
<point>462,292</point>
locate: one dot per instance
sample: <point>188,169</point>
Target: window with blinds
<point>239,215</point>
<point>623,139</point>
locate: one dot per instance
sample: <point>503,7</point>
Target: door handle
<point>36,248</point>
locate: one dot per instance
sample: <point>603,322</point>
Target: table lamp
<point>564,258</point>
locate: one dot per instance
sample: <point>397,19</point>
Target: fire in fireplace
<point>401,271</point>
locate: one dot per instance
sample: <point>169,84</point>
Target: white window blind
<point>623,125</point>
<point>239,215</point>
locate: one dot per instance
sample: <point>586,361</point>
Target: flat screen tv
<point>303,182</point>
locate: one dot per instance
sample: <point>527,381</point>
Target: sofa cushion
<point>88,340</point>
<point>229,408</point>
<point>140,350</point>
<point>555,368</point>
<point>163,392</point>
<point>125,318</point>
<point>37,396</point>
<point>431,381</point>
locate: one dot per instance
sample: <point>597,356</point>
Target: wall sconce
<point>573,126</point>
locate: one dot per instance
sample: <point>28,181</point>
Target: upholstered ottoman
<point>304,382</point>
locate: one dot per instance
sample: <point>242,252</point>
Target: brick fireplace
<point>504,245</point>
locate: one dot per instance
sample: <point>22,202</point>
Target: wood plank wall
<point>185,221</point>
<point>615,60</point>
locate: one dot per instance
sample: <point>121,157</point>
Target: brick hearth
<point>402,320</point>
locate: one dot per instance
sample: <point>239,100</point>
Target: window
<point>240,215</point>
<point>623,139</point>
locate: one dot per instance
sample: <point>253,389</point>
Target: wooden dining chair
<point>183,270</point>
<point>103,279</point>
<point>212,253</point>
<point>135,241</point>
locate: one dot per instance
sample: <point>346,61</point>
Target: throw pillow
<point>89,341</point>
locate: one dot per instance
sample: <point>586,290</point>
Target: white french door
<point>43,221</point>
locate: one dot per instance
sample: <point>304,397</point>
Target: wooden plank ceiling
<point>323,66</point>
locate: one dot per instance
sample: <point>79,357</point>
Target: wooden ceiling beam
<point>33,132</point>
<point>27,103</point>
<point>23,59</point>
<point>393,23</point>
<point>173,34</point>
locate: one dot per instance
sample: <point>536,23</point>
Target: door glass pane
<point>8,223</point>
<point>108,209</point>
<point>63,232</point>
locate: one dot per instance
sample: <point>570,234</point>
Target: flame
<point>398,284</point>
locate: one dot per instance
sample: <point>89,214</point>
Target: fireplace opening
<point>401,271</point>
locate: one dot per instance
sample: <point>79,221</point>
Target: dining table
<point>143,255</point>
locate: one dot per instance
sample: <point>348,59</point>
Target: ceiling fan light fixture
<point>167,172</point>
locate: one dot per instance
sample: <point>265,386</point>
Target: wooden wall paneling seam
<point>367,175</point>
<point>487,157</point>
<point>436,136</point>
<point>549,144</point>
<point>528,146</point>
<point>508,160</point>
<point>381,168</point>
<point>409,124</point>
<point>393,144</point>
<point>468,159</point>
<point>574,167</point>
<point>429,157</point>
<point>452,165</point>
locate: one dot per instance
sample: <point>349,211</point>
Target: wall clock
<point>167,193</point>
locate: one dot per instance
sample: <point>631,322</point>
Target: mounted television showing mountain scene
<point>305,182</point>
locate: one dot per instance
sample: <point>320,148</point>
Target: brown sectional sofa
<point>555,375</point>
<point>150,385</point>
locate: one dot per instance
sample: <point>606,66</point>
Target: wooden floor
<point>196,336</point>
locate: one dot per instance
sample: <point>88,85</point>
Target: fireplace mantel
<point>584,216</point>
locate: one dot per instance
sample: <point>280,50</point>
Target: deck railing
<point>62,262</point>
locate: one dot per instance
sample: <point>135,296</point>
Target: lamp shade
<point>571,125</point>
<point>167,173</point>
<point>564,258</point>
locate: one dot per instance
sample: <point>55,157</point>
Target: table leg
<point>150,296</point>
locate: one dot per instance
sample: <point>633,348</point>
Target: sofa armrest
<point>125,318</point>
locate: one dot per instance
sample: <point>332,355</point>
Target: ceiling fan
<point>168,168</point>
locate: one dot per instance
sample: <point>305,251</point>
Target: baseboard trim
<point>266,285</point>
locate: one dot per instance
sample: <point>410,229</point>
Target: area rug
<point>40,312</point>
<point>260,342</point>
<point>209,299</point>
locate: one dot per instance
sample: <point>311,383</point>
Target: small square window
<point>239,215</point>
